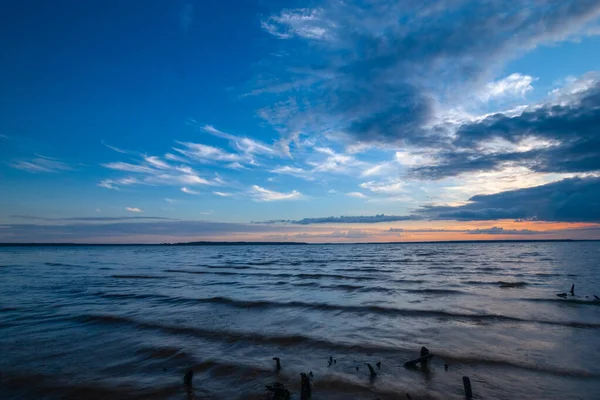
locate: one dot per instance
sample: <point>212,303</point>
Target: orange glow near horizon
<point>406,231</point>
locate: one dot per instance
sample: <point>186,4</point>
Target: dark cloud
<point>359,219</point>
<point>570,130</point>
<point>378,68</point>
<point>569,200</point>
<point>101,231</point>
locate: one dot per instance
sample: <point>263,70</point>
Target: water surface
<point>127,322</point>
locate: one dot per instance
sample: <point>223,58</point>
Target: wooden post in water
<point>467,386</point>
<point>305,390</point>
<point>277,364</point>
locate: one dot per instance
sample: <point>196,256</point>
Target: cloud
<point>41,164</point>
<point>204,153</point>
<point>246,145</point>
<point>189,191</point>
<point>389,187</point>
<point>302,22</point>
<point>187,16</point>
<point>561,136</point>
<point>360,219</point>
<point>223,194</point>
<point>117,149</point>
<point>152,170</point>
<point>138,231</point>
<point>513,85</point>
<point>235,165</point>
<point>170,200</point>
<point>293,171</point>
<point>383,72</point>
<point>262,194</point>
<point>133,209</point>
<point>497,230</point>
<point>568,200</point>
<point>357,195</point>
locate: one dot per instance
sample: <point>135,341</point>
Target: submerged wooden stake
<point>187,378</point>
<point>278,364</point>
<point>573,290</point>
<point>371,370</point>
<point>305,390</point>
<point>467,386</point>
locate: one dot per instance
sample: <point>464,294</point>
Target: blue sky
<point>178,120</point>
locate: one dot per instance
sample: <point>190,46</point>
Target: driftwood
<point>425,356</point>
<point>467,386</point>
<point>305,390</point>
<point>563,295</point>
<point>596,297</point>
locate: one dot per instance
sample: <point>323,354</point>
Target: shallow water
<point>127,322</point>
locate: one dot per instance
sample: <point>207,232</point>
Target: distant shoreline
<point>208,243</point>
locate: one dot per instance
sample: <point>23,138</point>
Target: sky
<point>308,121</point>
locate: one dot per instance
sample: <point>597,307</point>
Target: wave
<point>280,275</point>
<point>137,277</point>
<point>228,336</point>
<point>57,264</point>
<point>434,291</point>
<point>226,266</point>
<point>374,309</point>
<point>479,360</point>
<point>590,302</point>
<point>502,284</point>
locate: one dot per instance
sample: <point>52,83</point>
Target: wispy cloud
<point>170,200</point>
<point>153,170</point>
<point>189,191</point>
<point>293,171</point>
<point>246,145</point>
<point>223,194</point>
<point>513,85</point>
<point>389,187</point>
<point>205,154</point>
<point>41,164</point>
<point>133,209</point>
<point>303,22</point>
<point>118,150</point>
<point>262,194</point>
<point>357,195</point>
